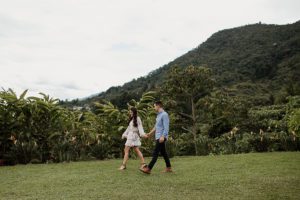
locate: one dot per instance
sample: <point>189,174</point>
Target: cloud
<point>129,47</point>
<point>72,49</point>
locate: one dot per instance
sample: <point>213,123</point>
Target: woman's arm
<point>125,134</point>
<point>140,127</point>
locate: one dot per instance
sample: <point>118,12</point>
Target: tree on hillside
<point>187,86</point>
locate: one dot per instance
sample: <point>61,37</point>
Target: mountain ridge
<point>266,56</point>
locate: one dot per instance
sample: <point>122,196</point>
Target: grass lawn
<point>243,176</point>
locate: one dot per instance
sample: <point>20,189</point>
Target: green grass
<point>243,176</point>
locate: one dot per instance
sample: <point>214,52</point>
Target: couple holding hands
<point>135,130</point>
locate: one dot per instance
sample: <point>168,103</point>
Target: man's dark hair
<point>159,103</point>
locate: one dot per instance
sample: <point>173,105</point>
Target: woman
<point>133,133</point>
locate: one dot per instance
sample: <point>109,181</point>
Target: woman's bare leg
<point>140,155</point>
<point>126,155</point>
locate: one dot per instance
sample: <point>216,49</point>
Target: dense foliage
<point>39,130</point>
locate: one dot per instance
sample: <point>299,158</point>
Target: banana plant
<point>10,112</point>
<point>119,117</point>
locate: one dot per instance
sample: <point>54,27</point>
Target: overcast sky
<point>76,48</point>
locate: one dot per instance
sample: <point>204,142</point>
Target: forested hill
<point>259,60</point>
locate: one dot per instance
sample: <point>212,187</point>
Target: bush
<point>203,144</point>
<point>101,149</point>
<point>252,142</point>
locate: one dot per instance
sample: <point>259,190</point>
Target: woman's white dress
<point>133,134</point>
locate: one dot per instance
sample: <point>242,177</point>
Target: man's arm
<point>151,132</point>
<point>166,123</point>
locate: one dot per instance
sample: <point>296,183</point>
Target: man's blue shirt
<point>162,125</point>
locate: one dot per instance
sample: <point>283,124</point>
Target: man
<point>161,131</point>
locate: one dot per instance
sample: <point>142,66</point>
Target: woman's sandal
<point>123,167</point>
<point>143,165</point>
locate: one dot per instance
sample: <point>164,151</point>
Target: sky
<point>76,48</point>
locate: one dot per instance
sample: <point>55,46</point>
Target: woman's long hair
<point>133,117</point>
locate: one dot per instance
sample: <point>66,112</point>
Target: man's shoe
<point>168,170</point>
<point>146,170</point>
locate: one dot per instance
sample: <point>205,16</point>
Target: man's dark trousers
<point>159,148</point>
